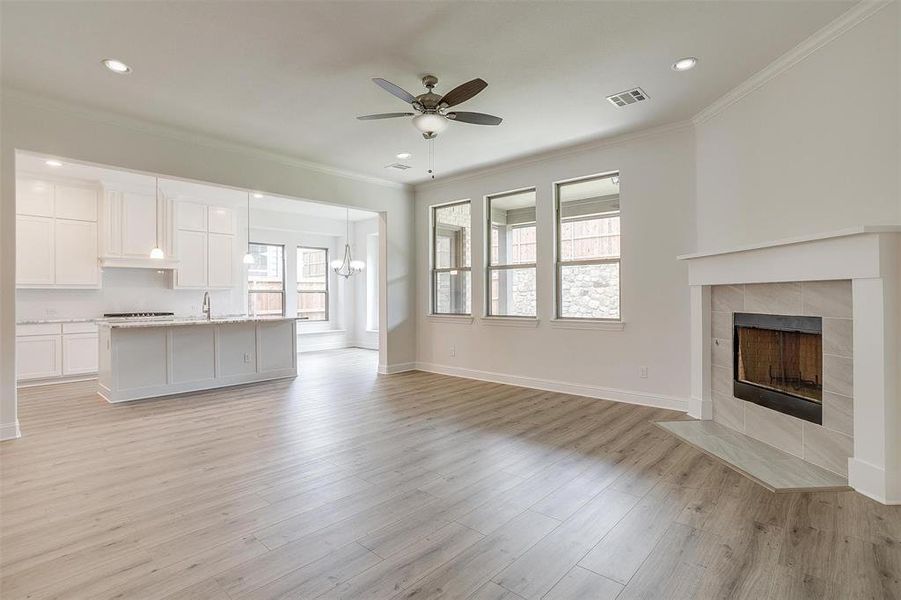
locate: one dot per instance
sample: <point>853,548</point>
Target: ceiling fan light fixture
<point>430,123</point>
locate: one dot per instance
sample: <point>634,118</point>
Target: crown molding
<point>183,135</point>
<point>562,151</point>
<point>844,23</point>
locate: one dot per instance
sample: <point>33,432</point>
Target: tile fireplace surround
<point>852,279</point>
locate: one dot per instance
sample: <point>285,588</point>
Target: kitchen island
<point>161,357</point>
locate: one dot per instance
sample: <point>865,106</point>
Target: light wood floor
<point>345,484</point>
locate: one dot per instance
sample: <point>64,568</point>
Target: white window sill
<point>509,321</point>
<point>588,324</point>
<point>459,319</point>
<point>372,331</point>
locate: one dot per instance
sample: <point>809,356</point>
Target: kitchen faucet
<point>206,306</point>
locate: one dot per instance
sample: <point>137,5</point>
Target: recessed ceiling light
<point>404,155</point>
<point>257,195</point>
<point>684,64</point>
<point>53,163</point>
<point>116,66</point>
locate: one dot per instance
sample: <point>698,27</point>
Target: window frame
<point>433,257</point>
<point>284,275</point>
<point>559,263</point>
<point>327,291</point>
<point>489,268</point>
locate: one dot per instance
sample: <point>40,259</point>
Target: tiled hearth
<point>828,445</point>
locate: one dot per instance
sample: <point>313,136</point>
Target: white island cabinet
<point>146,359</point>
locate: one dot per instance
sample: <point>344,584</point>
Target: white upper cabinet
<point>191,216</point>
<point>76,253</point>
<point>192,269</point>
<point>132,223</point>
<point>205,242</point>
<point>138,223</point>
<point>34,197</point>
<point>221,220</point>
<point>76,203</point>
<point>221,259</point>
<point>34,251</point>
<point>56,234</point>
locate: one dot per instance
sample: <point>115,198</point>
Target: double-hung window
<point>451,259</point>
<point>312,284</point>
<point>266,279</point>
<point>512,286</point>
<point>588,248</point>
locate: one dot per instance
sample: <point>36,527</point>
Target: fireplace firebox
<point>778,363</point>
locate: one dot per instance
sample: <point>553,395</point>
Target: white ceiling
<point>291,76</point>
<point>32,165</point>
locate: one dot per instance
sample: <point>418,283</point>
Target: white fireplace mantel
<point>869,256</point>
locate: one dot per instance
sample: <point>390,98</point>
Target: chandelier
<point>348,266</point>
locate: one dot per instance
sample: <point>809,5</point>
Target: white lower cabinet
<point>38,357</point>
<point>80,353</point>
<point>54,350</point>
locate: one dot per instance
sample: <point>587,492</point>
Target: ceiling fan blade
<point>394,90</point>
<point>463,92</point>
<point>384,116</point>
<point>474,118</point>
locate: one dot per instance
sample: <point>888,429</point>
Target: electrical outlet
<point>246,357</point>
<point>643,372</point>
<point>453,351</point>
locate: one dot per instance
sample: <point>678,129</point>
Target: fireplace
<point>778,363</point>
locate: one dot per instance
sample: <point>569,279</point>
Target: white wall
<point>363,232</point>
<point>44,126</point>
<point>657,191</point>
<point>815,149</point>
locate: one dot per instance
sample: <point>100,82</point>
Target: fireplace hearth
<point>778,363</point>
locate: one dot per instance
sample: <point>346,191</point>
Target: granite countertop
<point>182,321</point>
<point>61,320</point>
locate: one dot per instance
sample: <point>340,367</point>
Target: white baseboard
<point>871,481</point>
<point>364,345</point>
<point>396,368</point>
<point>551,385</point>
<point>10,431</point>
<point>55,380</point>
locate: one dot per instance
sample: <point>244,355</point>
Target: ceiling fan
<point>431,116</point>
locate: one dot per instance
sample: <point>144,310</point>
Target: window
<point>588,248</point>
<point>266,280</point>
<point>451,259</point>
<point>511,254</point>
<point>312,284</point>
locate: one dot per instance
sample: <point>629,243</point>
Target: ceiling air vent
<point>629,97</point>
<point>398,166</point>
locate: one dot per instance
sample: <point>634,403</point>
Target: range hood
<point>136,262</point>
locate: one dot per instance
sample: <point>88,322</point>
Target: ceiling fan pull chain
<point>431,142</point>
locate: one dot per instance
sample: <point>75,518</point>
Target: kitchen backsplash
<point>124,290</point>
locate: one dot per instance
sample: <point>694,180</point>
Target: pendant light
<point>248,258</point>
<point>348,266</point>
<point>157,252</point>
